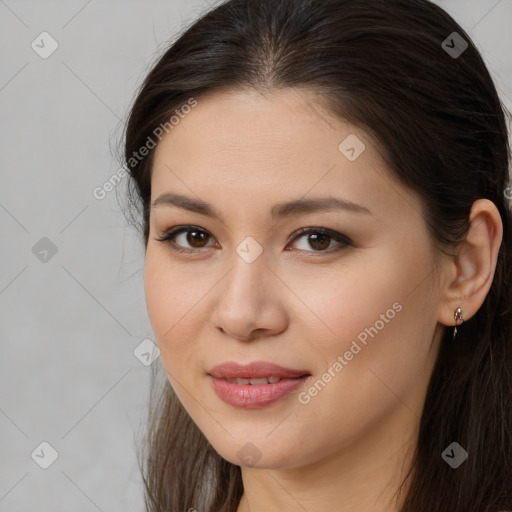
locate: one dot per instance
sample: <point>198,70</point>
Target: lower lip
<point>248,396</point>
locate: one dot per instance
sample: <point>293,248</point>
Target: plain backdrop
<point>72,308</point>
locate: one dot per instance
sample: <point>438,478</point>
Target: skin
<point>299,305</point>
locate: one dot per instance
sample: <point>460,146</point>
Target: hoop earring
<point>458,320</point>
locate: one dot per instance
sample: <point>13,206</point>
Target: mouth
<point>255,372</point>
<point>255,382</point>
<point>255,385</point>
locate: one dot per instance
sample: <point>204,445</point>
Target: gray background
<point>70,322</point>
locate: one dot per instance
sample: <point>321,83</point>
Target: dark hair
<point>382,65</point>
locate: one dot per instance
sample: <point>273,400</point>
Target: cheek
<point>166,299</point>
<point>175,298</point>
<point>160,297</point>
<point>383,306</point>
<point>380,317</point>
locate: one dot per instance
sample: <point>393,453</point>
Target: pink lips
<point>253,396</point>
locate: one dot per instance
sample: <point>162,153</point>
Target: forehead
<point>251,148</point>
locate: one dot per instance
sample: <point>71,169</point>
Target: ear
<point>469,273</point>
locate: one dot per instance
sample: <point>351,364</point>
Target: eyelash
<point>343,240</point>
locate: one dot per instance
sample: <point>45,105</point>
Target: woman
<point>323,187</point>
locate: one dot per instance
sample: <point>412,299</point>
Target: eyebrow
<point>278,211</point>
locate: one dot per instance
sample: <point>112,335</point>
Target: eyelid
<point>173,232</point>
<point>335,235</point>
<point>341,239</point>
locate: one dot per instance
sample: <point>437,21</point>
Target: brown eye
<point>196,238</point>
<point>178,238</point>
<point>320,239</point>
<point>190,239</point>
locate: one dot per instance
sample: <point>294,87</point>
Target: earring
<point>458,320</point>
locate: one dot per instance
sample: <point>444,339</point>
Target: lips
<point>255,385</point>
<point>256,370</point>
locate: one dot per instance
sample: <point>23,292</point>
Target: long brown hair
<point>385,66</point>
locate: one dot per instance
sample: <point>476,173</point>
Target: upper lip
<point>255,370</point>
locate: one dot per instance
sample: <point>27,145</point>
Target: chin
<point>258,455</point>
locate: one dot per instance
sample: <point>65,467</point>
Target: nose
<point>250,304</point>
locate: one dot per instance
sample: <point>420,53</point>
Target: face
<point>343,294</point>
